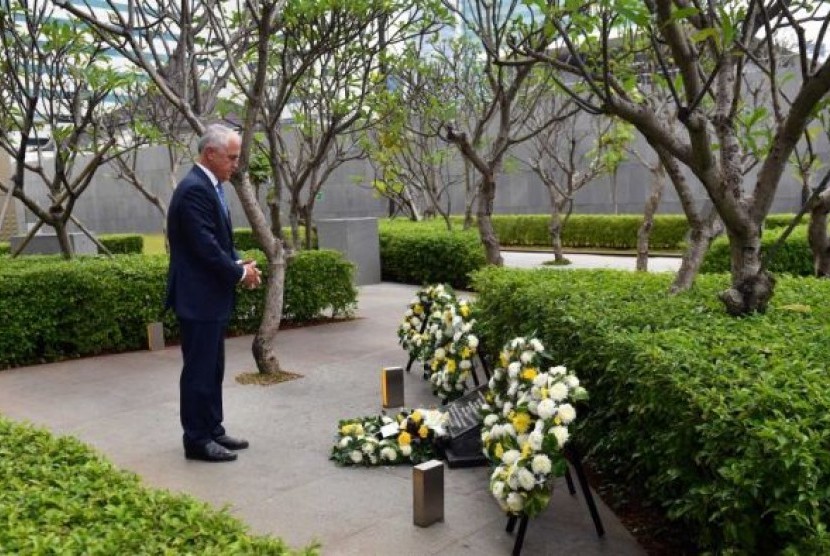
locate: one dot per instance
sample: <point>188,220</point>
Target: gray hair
<point>216,135</point>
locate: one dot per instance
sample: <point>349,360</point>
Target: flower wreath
<point>409,437</point>
<point>525,426</point>
<point>409,330</point>
<point>454,346</point>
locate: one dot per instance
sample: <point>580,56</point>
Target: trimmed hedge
<point>60,497</point>
<point>54,309</point>
<point>722,422</point>
<point>244,240</point>
<point>123,244</point>
<point>117,244</point>
<point>414,253</point>
<point>793,257</point>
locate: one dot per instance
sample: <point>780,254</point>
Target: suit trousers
<point>200,385</point>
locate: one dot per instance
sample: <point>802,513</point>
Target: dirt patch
<point>266,379</point>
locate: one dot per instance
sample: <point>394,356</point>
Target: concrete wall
<point>111,205</point>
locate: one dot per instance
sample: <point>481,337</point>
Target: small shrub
<point>123,244</point>
<point>415,254</point>
<point>59,497</point>
<point>721,422</point>
<point>54,309</point>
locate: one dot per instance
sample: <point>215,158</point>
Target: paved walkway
<point>525,259</point>
<point>126,406</point>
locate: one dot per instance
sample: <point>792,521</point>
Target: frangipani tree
<point>703,50</point>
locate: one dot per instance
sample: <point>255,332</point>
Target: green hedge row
<point>53,309</point>
<point>116,243</point>
<point>413,253</point>
<point>244,240</point>
<point>60,497</point>
<point>722,422</point>
<point>792,257</point>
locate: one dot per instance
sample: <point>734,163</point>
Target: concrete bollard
<point>391,386</point>
<point>155,336</point>
<point>428,493</point>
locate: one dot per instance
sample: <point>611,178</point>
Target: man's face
<point>223,161</point>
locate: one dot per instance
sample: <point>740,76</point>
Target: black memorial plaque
<point>465,430</point>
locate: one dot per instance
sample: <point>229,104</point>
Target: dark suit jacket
<point>203,273</point>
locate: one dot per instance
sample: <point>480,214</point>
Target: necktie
<point>221,192</point>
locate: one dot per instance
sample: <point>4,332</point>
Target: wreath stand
<point>575,459</point>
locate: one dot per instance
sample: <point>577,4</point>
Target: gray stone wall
<point>111,205</point>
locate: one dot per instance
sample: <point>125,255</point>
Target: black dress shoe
<point>231,443</point>
<point>209,452</point>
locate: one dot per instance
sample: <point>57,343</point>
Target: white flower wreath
<point>410,336</point>
<point>525,426</point>
<point>454,345</point>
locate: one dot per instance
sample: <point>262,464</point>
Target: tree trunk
<point>294,222</point>
<point>556,206</point>
<point>817,236</point>
<point>701,235</point>
<point>486,197</point>
<point>752,285</point>
<point>469,196</point>
<point>63,236</point>
<point>264,343</point>
<point>658,175</point>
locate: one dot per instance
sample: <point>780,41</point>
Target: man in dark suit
<point>204,272</point>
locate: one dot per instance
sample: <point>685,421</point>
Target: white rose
<point>509,430</point>
<point>498,374</point>
<point>526,479</point>
<point>491,420</point>
<point>498,489</point>
<point>507,408</point>
<point>438,335</point>
<point>510,457</point>
<point>465,364</point>
<point>540,381</point>
<point>535,439</point>
<point>406,327</point>
<point>456,336</point>
<point>566,413</point>
<point>466,327</point>
<point>533,407</point>
<point>526,357</point>
<point>558,370</point>
<point>472,341</point>
<point>513,369</point>
<point>546,409</point>
<point>517,342</point>
<point>571,381</point>
<point>345,441</point>
<point>512,390</point>
<point>356,456</point>
<point>389,454</point>
<point>536,345</point>
<point>541,464</point>
<point>558,392</point>
<point>440,354</point>
<point>496,431</point>
<point>406,450</point>
<point>368,448</point>
<point>561,434</point>
<point>515,502</point>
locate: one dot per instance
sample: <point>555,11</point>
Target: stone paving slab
<point>126,406</point>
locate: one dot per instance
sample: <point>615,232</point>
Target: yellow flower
<point>557,420</point>
<point>544,393</point>
<point>465,310</point>
<point>499,451</point>
<point>345,429</point>
<point>416,416</point>
<point>465,352</point>
<point>423,431</point>
<point>450,366</point>
<point>404,438</point>
<point>504,359</point>
<point>526,450</point>
<point>529,373</point>
<point>417,309</point>
<point>521,422</point>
